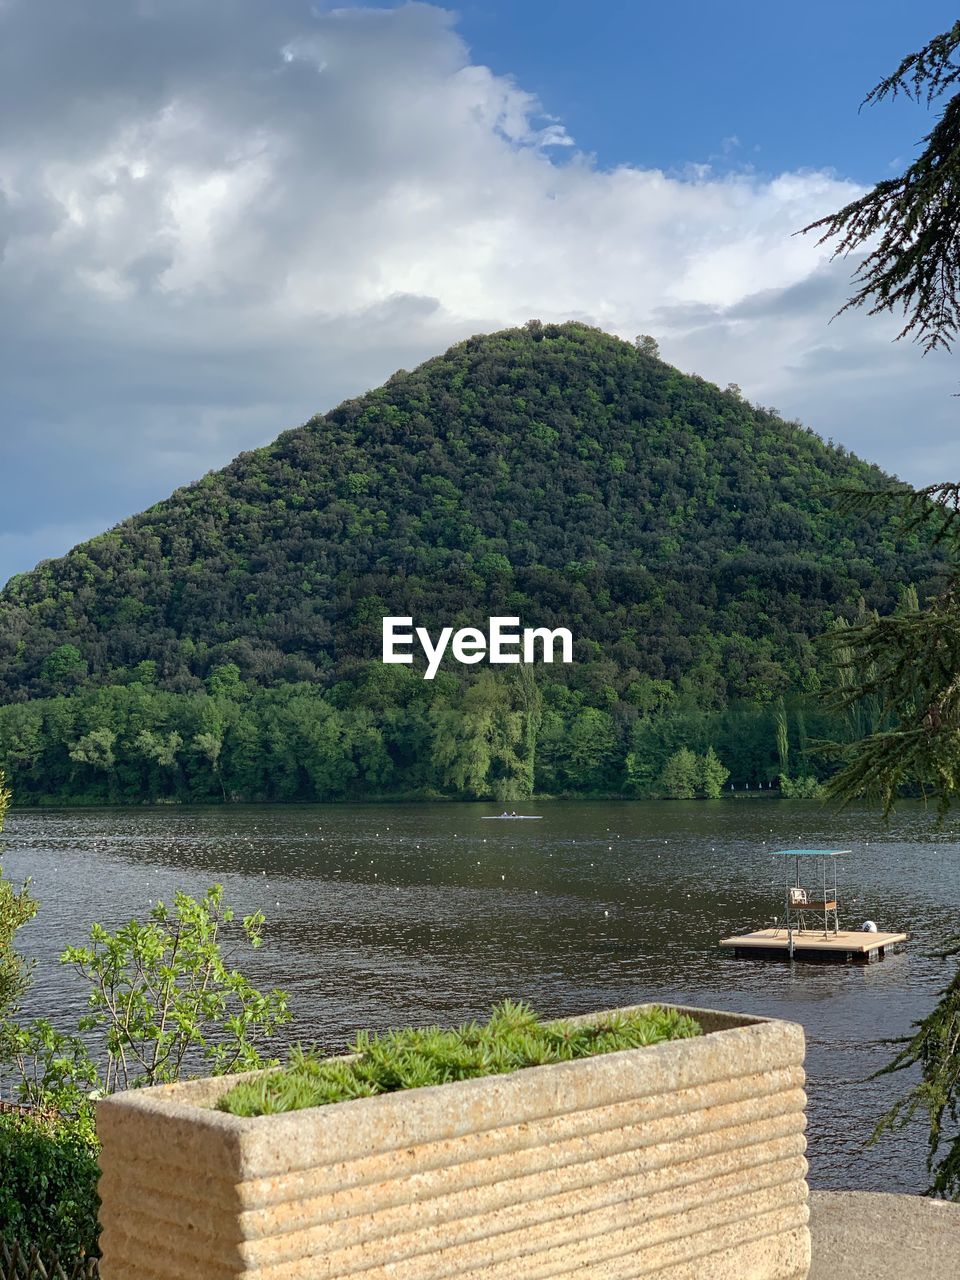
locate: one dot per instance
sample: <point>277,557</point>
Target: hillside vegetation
<point>226,642</point>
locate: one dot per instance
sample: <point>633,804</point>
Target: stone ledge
<point>870,1235</point>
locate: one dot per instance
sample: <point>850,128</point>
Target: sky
<point>219,219</point>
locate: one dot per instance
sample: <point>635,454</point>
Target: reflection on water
<point>379,915</point>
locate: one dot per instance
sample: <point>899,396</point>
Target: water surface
<point>384,915</point>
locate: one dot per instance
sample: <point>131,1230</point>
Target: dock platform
<point>847,946</point>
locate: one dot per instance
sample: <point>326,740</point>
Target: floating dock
<point>845,946</point>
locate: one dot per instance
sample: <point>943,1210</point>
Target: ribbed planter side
<point>680,1161</point>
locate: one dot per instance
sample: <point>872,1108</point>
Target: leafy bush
<point>48,1191</point>
<point>803,788</point>
<point>513,1038</point>
<point>164,999</point>
<point>16,908</point>
<point>164,991</point>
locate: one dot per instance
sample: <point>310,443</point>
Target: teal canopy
<point>808,853</point>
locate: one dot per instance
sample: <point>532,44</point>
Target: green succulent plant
<point>512,1039</point>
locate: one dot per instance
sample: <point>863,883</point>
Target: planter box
<point>680,1161</point>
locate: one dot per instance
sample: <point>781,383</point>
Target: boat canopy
<point>808,853</point>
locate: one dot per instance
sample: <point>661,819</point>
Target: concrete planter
<point>679,1161</point>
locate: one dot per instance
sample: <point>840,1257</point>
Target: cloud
<point>218,219</point>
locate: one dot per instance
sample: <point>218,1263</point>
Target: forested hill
<point>552,472</point>
<point>556,473</point>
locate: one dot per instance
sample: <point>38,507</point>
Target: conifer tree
<point>914,264</point>
<point>910,660</point>
<point>713,774</point>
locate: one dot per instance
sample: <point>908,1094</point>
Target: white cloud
<point>218,219</point>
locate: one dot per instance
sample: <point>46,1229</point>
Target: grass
<point>512,1039</point>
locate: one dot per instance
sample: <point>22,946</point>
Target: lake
<point>381,915</point>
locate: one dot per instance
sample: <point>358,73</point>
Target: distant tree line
<point>501,735</point>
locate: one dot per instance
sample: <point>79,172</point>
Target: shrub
<point>48,1191</point>
<point>16,908</point>
<point>164,999</point>
<point>165,996</point>
<point>803,788</point>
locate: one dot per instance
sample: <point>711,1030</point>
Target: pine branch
<point>935,1049</point>
<point>915,264</point>
<point>930,65</point>
<point>909,665</point>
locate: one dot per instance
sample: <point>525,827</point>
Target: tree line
<point>390,734</point>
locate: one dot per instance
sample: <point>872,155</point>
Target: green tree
<point>910,660</point>
<point>681,775</point>
<point>64,667</point>
<point>160,747</point>
<point>477,739</point>
<point>783,742</point>
<point>591,750</point>
<point>159,750</point>
<point>647,345</point>
<point>22,737</point>
<point>145,672</point>
<point>713,774</point>
<point>531,705</point>
<point>225,681</point>
<point>209,745</point>
<point>320,735</point>
<point>96,748</point>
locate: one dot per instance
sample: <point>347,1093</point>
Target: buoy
<point>868,926</point>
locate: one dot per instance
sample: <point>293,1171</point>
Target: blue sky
<point>219,219</point>
<point>664,85</point>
